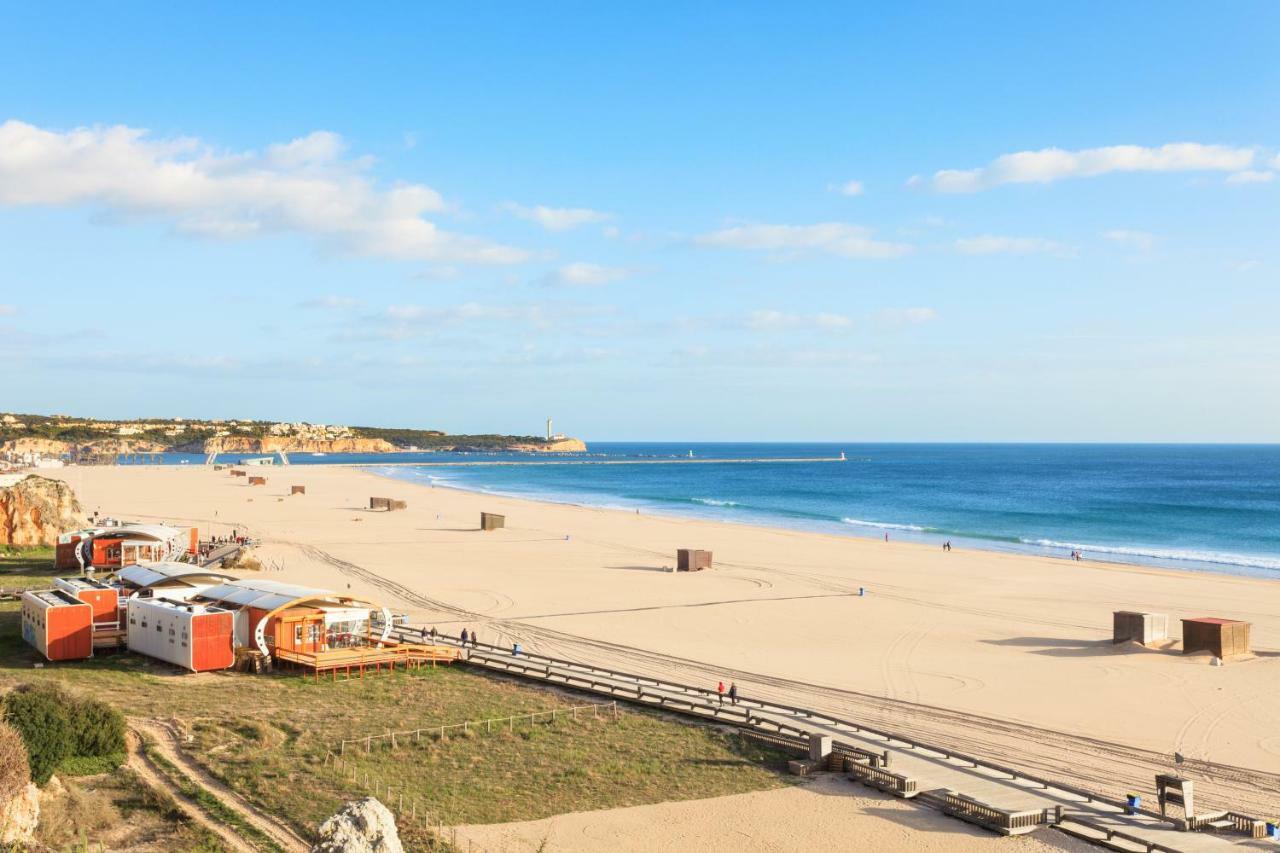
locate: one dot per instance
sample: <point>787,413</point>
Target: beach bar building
<point>123,545</point>
<point>193,636</point>
<point>169,580</point>
<point>57,624</point>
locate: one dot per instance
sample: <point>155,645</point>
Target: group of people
<point>1076,555</point>
<point>731,692</point>
<point>471,638</point>
<point>946,546</point>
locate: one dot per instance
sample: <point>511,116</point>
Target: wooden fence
<point>394,739</point>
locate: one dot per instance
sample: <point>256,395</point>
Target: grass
<point>118,811</point>
<point>266,737</point>
<point>212,806</point>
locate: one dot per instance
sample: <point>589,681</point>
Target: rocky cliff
<point>42,446</point>
<point>34,510</point>
<point>275,443</point>
<point>564,445</point>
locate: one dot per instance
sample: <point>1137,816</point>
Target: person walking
<point>475,639</point>
<point>464,636</point>
<point>733,692</point>
<point>720,691</point>
<point>433,633</point>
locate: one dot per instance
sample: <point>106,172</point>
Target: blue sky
<point>929,222</point>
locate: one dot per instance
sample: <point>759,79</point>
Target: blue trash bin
<point>1134,801</point>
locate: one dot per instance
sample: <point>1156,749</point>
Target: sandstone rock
<point>34,510</point>
<point>361,826</point>
<point>40,446</point>
<point>19,818</point>
<point>563,445</point>
<point>289,444</point>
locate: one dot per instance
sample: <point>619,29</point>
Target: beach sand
<point>826,813</point>
<point>1005,656</point>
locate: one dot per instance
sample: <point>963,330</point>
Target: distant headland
<point>59,435</point>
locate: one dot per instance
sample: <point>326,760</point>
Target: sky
<point>746,221</point>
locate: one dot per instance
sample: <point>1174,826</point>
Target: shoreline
<point>1106,555</point>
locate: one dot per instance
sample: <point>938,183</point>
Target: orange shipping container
<point>104,600</point>
<point>57,624</point>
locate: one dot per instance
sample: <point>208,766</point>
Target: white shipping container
<point>192,636</point>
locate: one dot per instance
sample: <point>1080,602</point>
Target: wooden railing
<point>1111,834</point>
<point>993,818</point>
<point>791,744</point>
<point>885,780</point>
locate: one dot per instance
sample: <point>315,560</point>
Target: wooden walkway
<point>960,784</point>
<point>355,662</point>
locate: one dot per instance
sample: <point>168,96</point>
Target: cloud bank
<point>557,218</point>
<point>1055,164</point>
<point>835,238</point>
<point>305,186</point>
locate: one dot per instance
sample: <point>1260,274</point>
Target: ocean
<point>1195,507</point>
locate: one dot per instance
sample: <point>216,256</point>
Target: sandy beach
<point>1004,656</point>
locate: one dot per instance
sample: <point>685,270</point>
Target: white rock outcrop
<point>361,826</point>
<point>19,818</point>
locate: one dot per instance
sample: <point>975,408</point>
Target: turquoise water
<point>1199,507</point>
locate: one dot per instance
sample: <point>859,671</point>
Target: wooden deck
<point>355,662</point>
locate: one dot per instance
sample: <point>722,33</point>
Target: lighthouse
<point>548,429</point>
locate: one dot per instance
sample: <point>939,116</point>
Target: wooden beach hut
<point>692,560</point>
<point>1225,638</point>
<point>380,503</point>
<point>257,481</point>
<point>1144,628</point>
<point>492,521</point>
<point>297,490</point>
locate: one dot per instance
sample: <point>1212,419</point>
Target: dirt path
<point>165,739</point>
<point>152,776</point>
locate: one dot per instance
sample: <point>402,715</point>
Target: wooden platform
<point>356,661</point>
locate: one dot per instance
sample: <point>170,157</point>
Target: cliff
<point>564,445</point>
<point>42,446</point>
<point>275,443</point>
<point>34,510</point>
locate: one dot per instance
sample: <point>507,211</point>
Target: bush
<point>97,729</point>
<point>82,735</point>
<point>15,772</point>
<point>40,716</point>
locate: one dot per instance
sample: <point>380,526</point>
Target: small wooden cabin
<point>1144,628</point>
<point>297,490</point>
<point>692,560</point>
<point>257,481</point>
<point>492,521</point>
<point>1225,638</point>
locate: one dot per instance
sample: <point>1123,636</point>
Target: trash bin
<point>1134,802</point>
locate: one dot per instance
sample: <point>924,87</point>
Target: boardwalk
<point>935,772</point>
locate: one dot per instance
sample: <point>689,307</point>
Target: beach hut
<point>257,481</point>
<point>492,521</point>
<point>235,472</point>
<point>380,503</point>
<point>193,636</point>
<point>1144,628</point>
<point>297,490</point>
<point>57,624</point>
<point>692,560</point>
<point>1225,638</point>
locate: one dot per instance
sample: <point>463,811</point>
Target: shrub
<point>97,729</point>
<point>15,772</point>
<point>39,714</point>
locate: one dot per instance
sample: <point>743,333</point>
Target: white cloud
<point>304,186</point>
<point>1142,240</point>
<point>906,316</point>
<point>8,310</point>
<point>1246,266</point>
<point>335,303</point>
<point>1251,176</point>
<point>837,238</point>
<point>582,274</point>
<point>1052,164</point>
<point>849,188</point>
<point>992,244</point>
<point>557,218</point>
<point>780,320</point>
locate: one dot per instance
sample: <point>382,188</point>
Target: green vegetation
<point>153,430</point>
<point>26,568</point>
<point>214,807</point>
<point>119,812</point>
<point>75,735</point>
<point>267,737</point>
